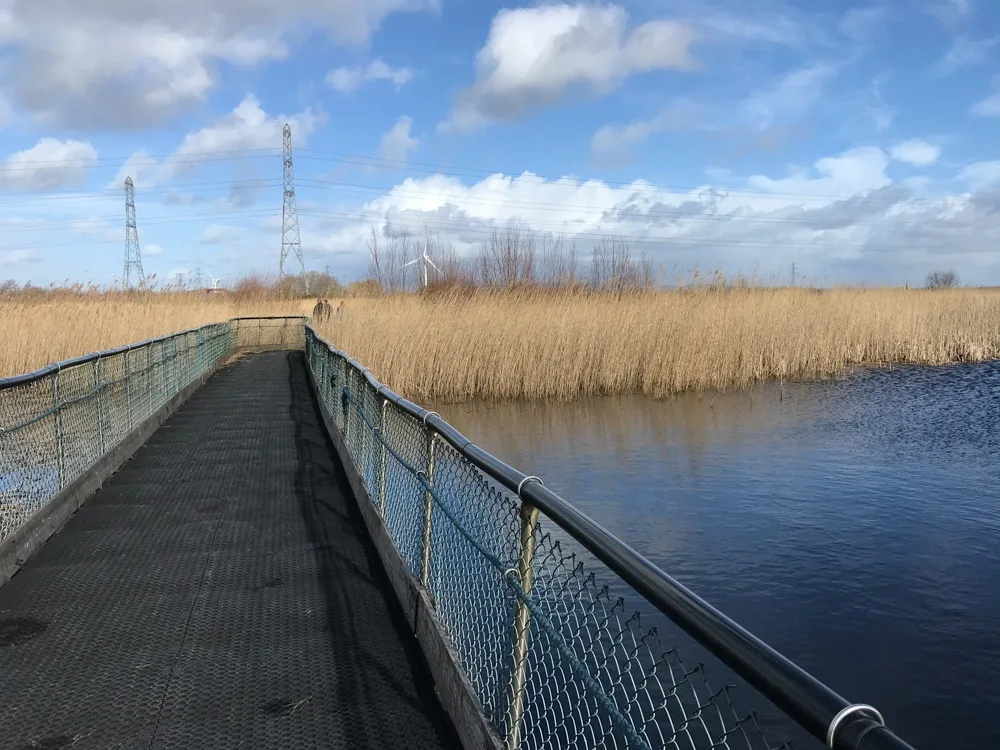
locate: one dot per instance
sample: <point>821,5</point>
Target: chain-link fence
<point>57,422</point>
<point>555,657</point>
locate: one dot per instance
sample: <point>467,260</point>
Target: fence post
<point>383,457</point>
<point>149,378</point>
<point>425,554</point>
<point>128,389</point>
<point>347,406</point>
<point>522,627</point>
<point>60,454</point>
<point>99,395</point>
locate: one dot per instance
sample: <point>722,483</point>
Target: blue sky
<point>858,141</point>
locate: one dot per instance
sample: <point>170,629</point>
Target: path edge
<point>453,688</point>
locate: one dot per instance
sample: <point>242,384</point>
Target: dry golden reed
<point>556,346</point>
<point>545,346</point>
<point>38,329</point>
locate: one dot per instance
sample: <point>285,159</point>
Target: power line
<point>411,166</point>
<point>484,231</point>
<point>569,207</point>
<point>533,177</point>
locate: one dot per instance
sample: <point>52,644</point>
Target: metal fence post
<point>60,453</point>
<point>383,457</point>
<point>149,378</point>
<point>425,554</point>
<point>522,627</point>
<point>128,389</point>
<point>98,394</point>
<point>347,406</point>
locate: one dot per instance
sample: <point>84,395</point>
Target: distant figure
<point>322,311</point>
<point>341,308</point>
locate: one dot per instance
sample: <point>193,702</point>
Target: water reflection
<point>853,525</point>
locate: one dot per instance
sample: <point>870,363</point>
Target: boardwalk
<point>219,592</point>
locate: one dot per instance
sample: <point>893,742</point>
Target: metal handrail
<point>828,716</point>
<point>50,369</point>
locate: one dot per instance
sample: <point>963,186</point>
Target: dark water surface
<point>853,525</point>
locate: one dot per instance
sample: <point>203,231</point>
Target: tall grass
<point>39,328</point>
<point>550,346</point>
<point>538,345</point>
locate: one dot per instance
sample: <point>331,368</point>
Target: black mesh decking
<point>219,592</point>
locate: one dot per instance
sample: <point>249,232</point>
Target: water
<point>853,525</point>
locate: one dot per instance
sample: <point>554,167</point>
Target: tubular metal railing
<point>57,422</point>
<point>529,591</point>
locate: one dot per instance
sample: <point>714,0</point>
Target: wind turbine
<point>427,262</point>
<point>215,281</point>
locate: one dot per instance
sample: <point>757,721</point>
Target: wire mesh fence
<point>553,651</point>
<point>57,423</point>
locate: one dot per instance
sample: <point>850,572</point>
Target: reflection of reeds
<point>536,345</point>
<point>37,329</point>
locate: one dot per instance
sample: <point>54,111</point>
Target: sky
<point>857,141</point>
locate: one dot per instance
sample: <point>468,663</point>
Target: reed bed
<point>545,346</point>
<point>38,329</point>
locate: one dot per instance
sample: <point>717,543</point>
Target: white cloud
<point>247,128</point>
<point>533,55</point>
<point>218,234</point>
<point>397,143</point>
<point>981,174</point>
<point>988,107</point>
<point>788,98</point>
<point>346,80</point>
<point>964,52</point>
<point>14,257</point>
<point>101,64</point>
<point>612,144</point>
<point>152,250</point>
<point>849,173</point>
<point>50,164</point>
<point>843,217</point>
<point>916,151</point>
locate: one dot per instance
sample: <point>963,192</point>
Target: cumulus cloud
<point>843,216</point>
<point>346,80</point>
<point>397,144</point>
<point>152,250</point>
<point>50,164</point>
<point>915,151</point>
<point>247,128</point>
<point>964,52</point>
<point>532,56</point>
<point>103,64</point>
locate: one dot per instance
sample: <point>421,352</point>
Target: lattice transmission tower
<point>290,242</point>
<point>132,276</point>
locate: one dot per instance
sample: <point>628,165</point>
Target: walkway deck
<point>219,592</point>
